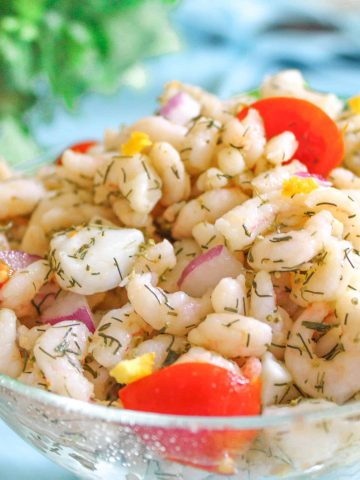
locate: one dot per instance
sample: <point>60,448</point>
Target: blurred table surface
<point>233,45</point>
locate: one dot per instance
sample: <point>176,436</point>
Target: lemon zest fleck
<point>128,371</point>
<point>136,143</point>
<point>226,465</point>
<point>295,185</point>
<point>5,273</point>
<point>354,104</point>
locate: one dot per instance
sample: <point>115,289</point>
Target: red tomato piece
<point>321,145</point>
<point>81,147</point>
<point>193,389</point>
<point>200,389</point>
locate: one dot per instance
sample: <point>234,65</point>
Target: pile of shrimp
<point>119,224</point>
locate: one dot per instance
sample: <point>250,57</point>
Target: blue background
<point>228,48</point>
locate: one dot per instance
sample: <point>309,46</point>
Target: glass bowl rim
<point>123,416</point>
<point>94,411</point>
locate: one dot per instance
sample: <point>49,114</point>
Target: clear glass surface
<point>99,442</point>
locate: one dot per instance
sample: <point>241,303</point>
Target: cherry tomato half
<point>81,147</point>
<point>321,145</point>
<point>200,389</point>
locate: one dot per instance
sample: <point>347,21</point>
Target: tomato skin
<point>192,389</point>
<point>81,147</point>
<point>321,145</point>
<point>199,389</point>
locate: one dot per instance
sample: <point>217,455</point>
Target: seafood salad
<point>202,261</point>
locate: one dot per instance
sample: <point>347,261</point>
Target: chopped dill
<point>118,268</point>
<point>260,295</point>
<point>286,238</point>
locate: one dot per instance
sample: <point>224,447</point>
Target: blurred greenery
<point>60,49</point>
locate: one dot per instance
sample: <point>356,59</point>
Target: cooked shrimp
<point>344,179</point>
<point>10,359</point>
<point>128,216</point>
<point>290,250</point>
<point>241,225</point>
<point>306,444</point>
<point>273,178</point>
<point>32,375</point>
<point>206,208</point>
<point>230,160</point>
<point>281,148</point>
<point>253,138</point>
<point>99,377</point>
<point>347,310</point>
<point>168,164</point>
<point>211,179</point>
<point>94,258</point>
<point>232,335</point>
<point>167,349</point>
<point>80,167</point>
<point>290,83</point>
<point>263,307</point>
<point>207,236</point>
<point>185,250</point>
<point>199,144</point>
<point>282,287</point>
<point>158,128</point>
<point>276,380</point>
<point>327,278</point>
<point>131,178</point>
<point>343,205</point>
<point>230,296</point>
<point>64,208</point>
<point>27,337</point>
<point>19,196</point>
<point>59,353</point>
<point>199,354</point>
<point>319,377</point>
<point>175,313</point>
<point>114,334</point>
<point>155,258</point>
<point>22,287</point>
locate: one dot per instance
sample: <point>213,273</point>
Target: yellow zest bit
<point>354,104</point>
<point>5,273</point>
<point>128,371</point>
<point>136,144</point>
<point>298,185</point>
<point>227,465</point>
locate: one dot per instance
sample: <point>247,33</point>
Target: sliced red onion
<point>17,259</point>
<point>206,270</point>
<point>172,103</point>
<point>320,178</point>
<point>69,306</point>
<point>180,108</point>
<point>46,296</point>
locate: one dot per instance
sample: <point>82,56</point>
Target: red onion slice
<point>69,306</point>
<point>172,104</point>
<point>46,296</point>
<point>206,270</point>
<point>17,259</point>
<point>319,178</point>
<point>180,108</point>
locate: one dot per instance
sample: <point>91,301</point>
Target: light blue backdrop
<point>229,47</point>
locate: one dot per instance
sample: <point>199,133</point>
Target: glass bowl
<point>97,442</point>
